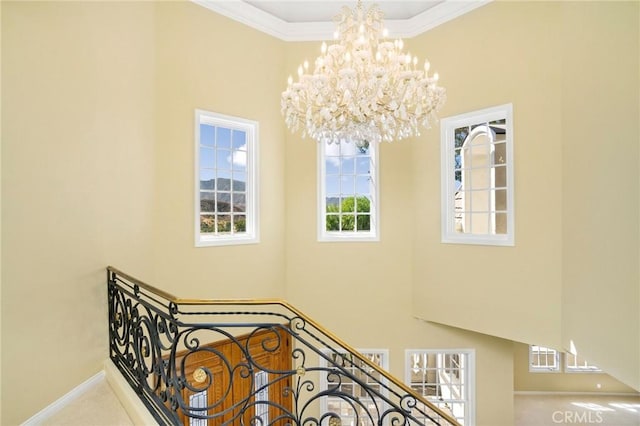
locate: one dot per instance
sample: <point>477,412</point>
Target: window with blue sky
<point>348,191</point>
<point>225,180</point>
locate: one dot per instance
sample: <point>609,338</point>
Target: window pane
<point>347,149</point>
<point>364,222</point>
<point>223,159</point>
<point>223,183</point>
<point>239,140</point>
<point>500,154</point>
<point>363,204</point>
<point>363,185</point>
<point>207,157</point>
<point>207,135</point>
<point>332,222</point>
<point>239,181</point>
<point>224,223</point>
<point>479,223</point>
<point>239,160</point>
<point>348,185</point>
<point>207,179</point>
<point>198,403</point>
<point>363,165</point>
<point>207,223</point>
<point>348,166</point>
<point>500,176</point>
<point>207,202</point>
<point>460,135</point>
<point>348,204</point>
<point>333,204</point>
<point>224,202</point>
<point>239,223</point>
<point>223,138</point>
<point>347,222</point>
<point>332,166</point>
<point>501,199</point>
<point>478,178</point>
<point>479,138</point>
<point>239,202</point>
<point>332,185</point>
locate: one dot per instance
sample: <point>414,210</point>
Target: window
<point>262,397</point>
<point>446,378</point>
<point>543,359</point>
<point>348,192</point>
<point>576,364</point>
<point>477,177</point>
<point>226,170</point>
<point>198,404</point>
<point>344,407</point>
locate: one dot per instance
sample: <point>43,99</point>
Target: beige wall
<point>568,69</point>
<point>0,216</point>
<point>77,185</point>
<point>209,62</point>
<point>363,291</point>
<point>98,97</point>
<point>601,285</point>
<point>524,381</point>
<point>501,53</point>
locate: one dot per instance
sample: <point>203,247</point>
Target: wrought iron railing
<point>248,362</point>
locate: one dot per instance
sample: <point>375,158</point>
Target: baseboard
<point>567,393</point>
<point>65,400</point>
<point>135,408</point>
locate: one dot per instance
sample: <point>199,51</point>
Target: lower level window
<point>446,378</point>
<point>575,364</point>
<point>198,404</point>
<point>542,359</point>
<point>262,397</point>
<point>341,400</point>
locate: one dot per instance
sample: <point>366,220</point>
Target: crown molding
<point>247,14</point>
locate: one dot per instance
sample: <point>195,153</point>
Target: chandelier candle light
<point>363,87</point>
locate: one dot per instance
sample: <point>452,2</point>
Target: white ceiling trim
<point>315,31</point>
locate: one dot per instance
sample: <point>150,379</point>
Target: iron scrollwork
<point>154,342</point>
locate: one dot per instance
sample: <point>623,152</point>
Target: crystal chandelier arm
<point>363,88</point>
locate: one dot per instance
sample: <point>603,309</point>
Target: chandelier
<point>362,88</point>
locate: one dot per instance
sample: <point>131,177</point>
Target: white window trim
<point>470,414</point>
<point>533,369</point>
<point>323,377</point>
<point>447,153</point>
<point>345,236</point>
<point>251,128</point>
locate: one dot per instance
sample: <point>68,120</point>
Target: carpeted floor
<point>566,409</point>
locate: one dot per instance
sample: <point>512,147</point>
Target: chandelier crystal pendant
<point>363,87</point>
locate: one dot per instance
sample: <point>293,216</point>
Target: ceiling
<point>319,11</point>
<point>299,20</point>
